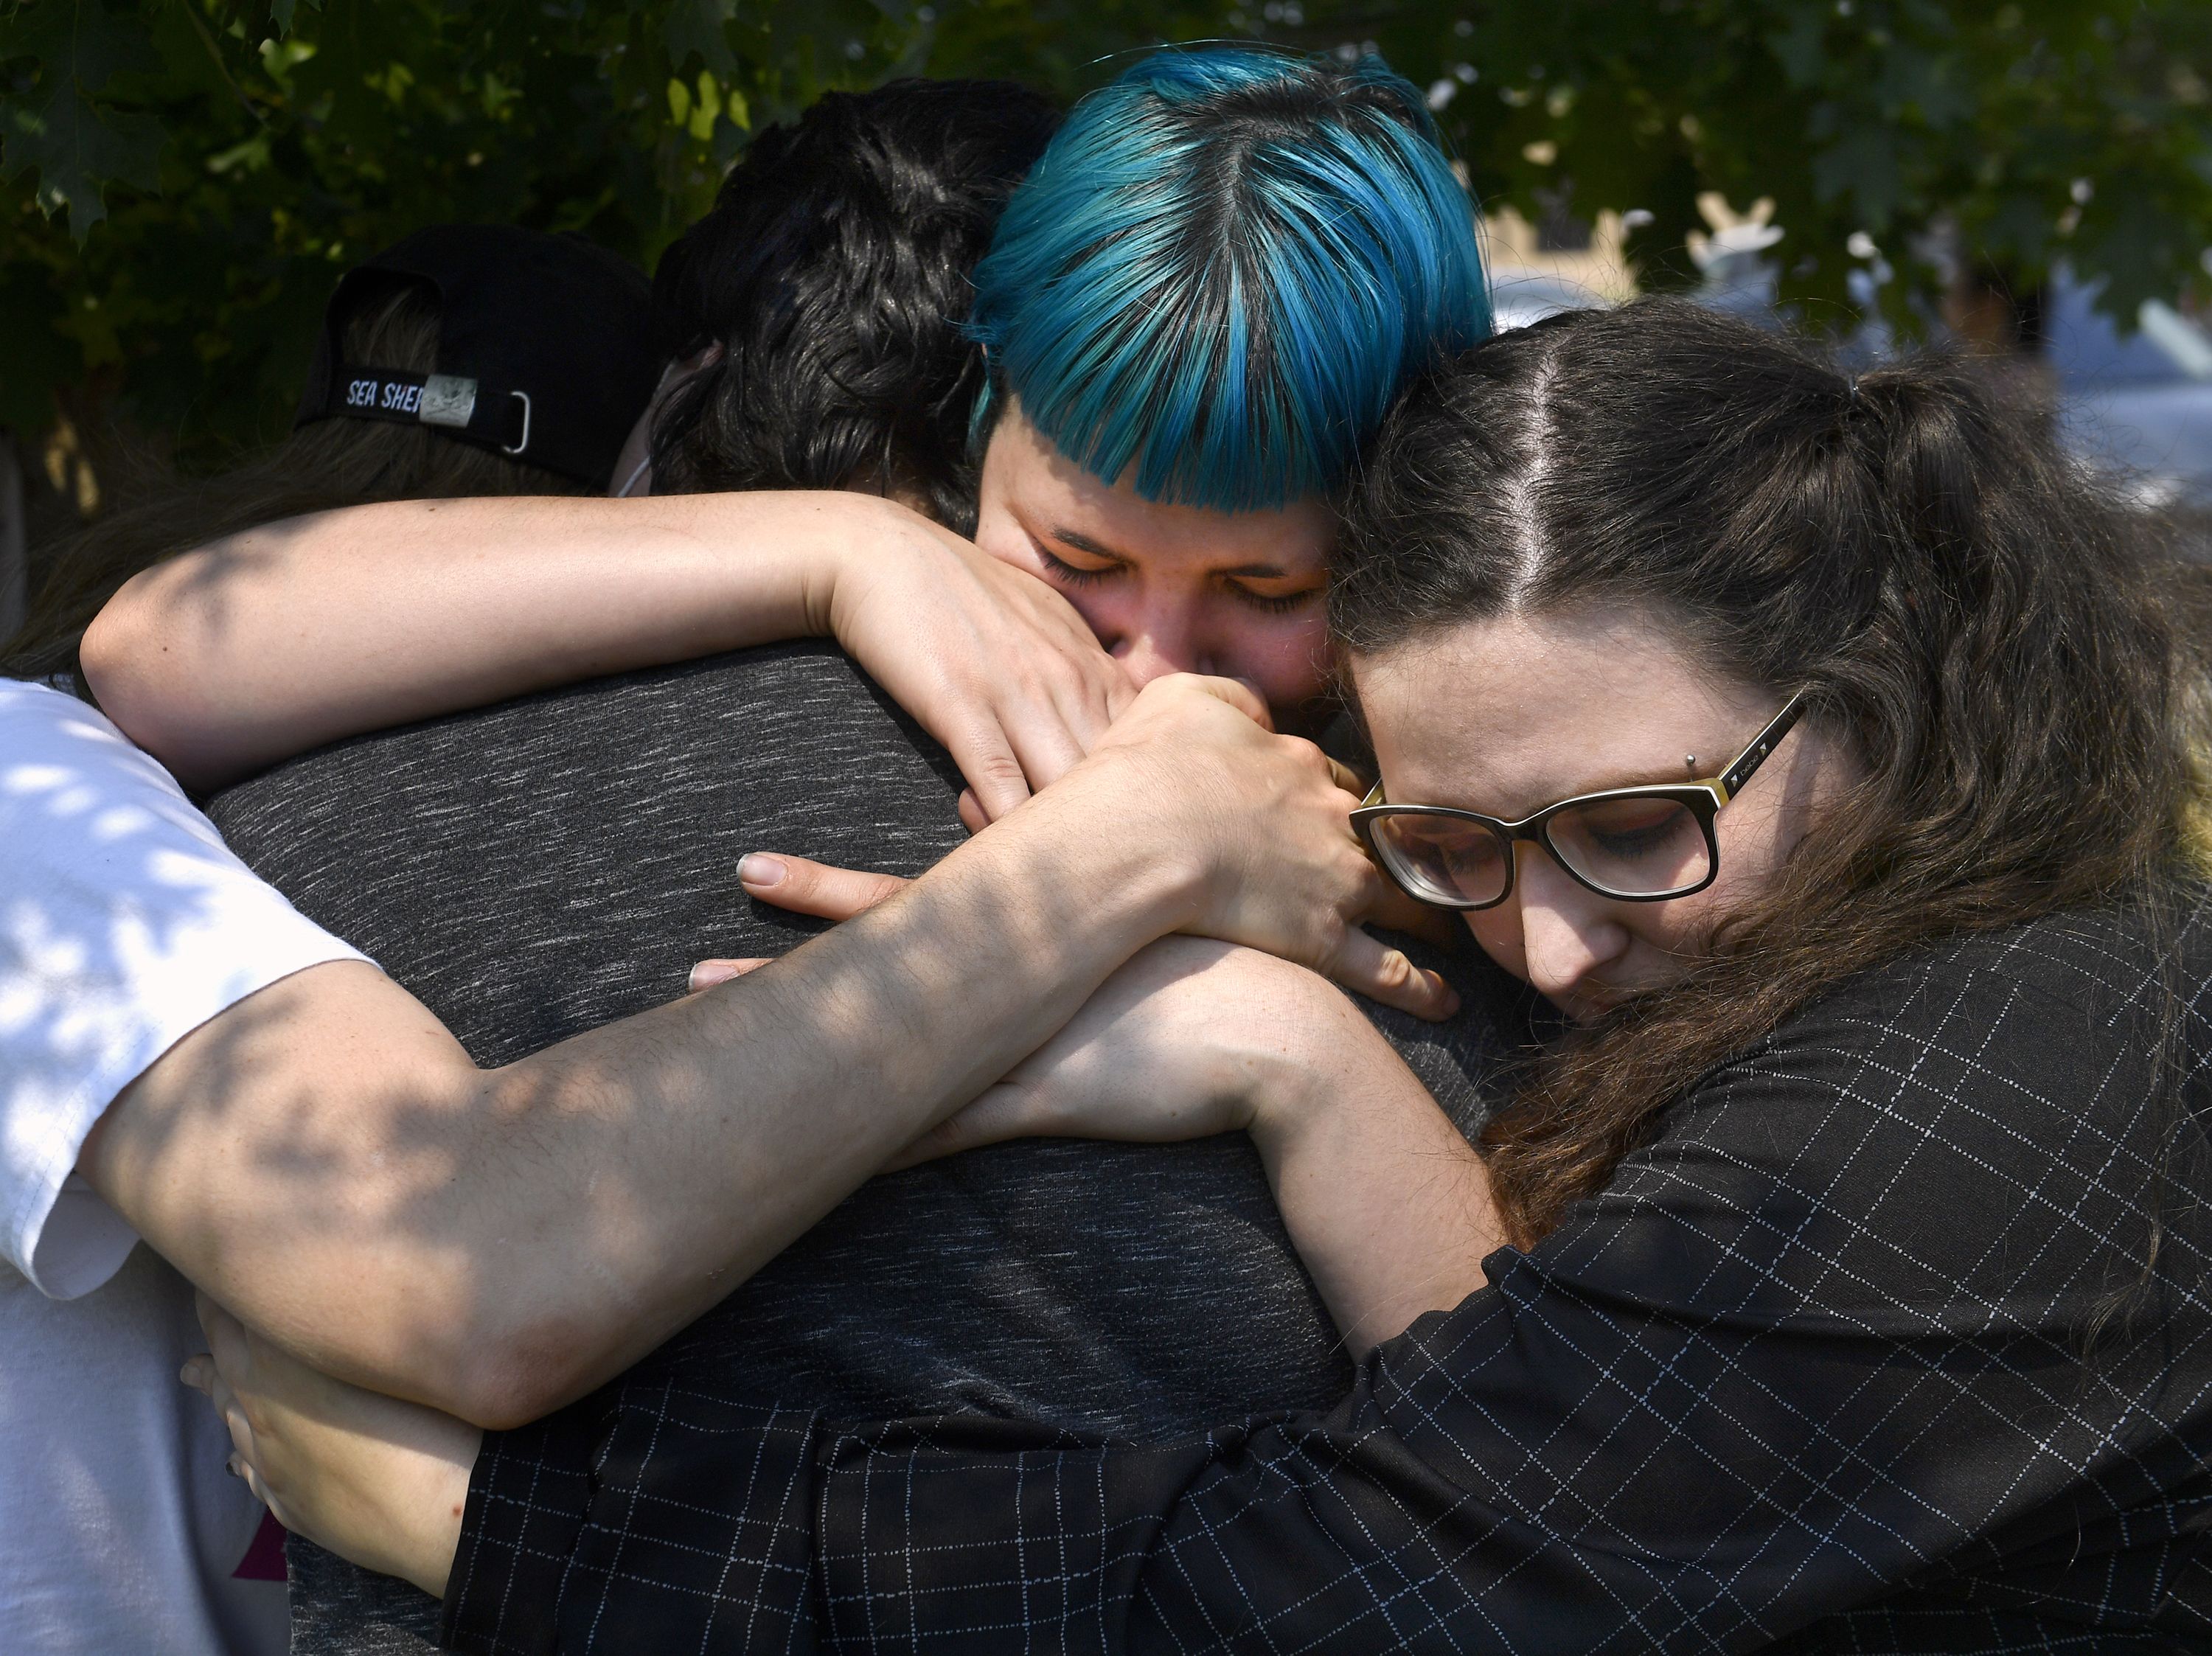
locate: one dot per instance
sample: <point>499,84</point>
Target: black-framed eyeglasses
<point>1639,845</point>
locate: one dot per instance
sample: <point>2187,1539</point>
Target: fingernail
<point>707,973</point>
<point>231,1466</point>
<point>190,1374</point>
<point>754,869</point>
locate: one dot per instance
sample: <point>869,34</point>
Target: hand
<point>1263,821</point>
<point>1190,1039</point>
<point>375,1480</point>
<point>805,887</point>
<point>989,660</point>
<point>1192,768</point>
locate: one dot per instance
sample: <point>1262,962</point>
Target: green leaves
<point>181,181</point>
<point>65,133</point>
<point>77,150</point>
<point>246,151</point>
<point>700,28</point>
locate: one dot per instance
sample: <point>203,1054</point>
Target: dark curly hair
<point>1998,641</point>
<point>833,274</point>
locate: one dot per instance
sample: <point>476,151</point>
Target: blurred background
<point>182,180</point>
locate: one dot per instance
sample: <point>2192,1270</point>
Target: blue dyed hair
<point>1222,269</point>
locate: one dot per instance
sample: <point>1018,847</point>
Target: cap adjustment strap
<point>499,420</point>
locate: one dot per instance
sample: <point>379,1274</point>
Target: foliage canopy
<point>182,180</point>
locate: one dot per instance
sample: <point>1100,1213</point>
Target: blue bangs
<point>1222,269</point>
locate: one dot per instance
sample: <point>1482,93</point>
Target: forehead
<point>1505,716</point>
<point>1049,492</point>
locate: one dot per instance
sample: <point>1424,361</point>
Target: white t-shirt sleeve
<point>125,923</point>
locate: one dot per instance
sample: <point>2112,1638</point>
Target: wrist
<point>851,540</point>
<point>824,540</point>
<point>1115,867</point>
<point>1304,1077</point>
<point>428,1523</point>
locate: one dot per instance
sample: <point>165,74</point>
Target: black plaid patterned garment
<point>1811,1373</point>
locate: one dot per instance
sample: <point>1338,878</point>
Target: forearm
<point>278,638</point>
<point>807,1077</point>
<point>493,1244</point>
<point>1388,1205</point>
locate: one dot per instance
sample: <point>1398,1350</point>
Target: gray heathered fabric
<point>538,869</point>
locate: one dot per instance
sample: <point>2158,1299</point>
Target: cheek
<point>1288,655</point>
<point>1104,610</point>
<point>1661,937</point>
<point>1668,932</point>
<point>1497,930</point>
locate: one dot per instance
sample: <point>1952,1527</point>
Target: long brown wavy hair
<point>329,463</point>
<point>1997,641</point>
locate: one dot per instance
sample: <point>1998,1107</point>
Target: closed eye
<point>1629,844</point>
<point>1074,574</point>
<point>1276,604</point>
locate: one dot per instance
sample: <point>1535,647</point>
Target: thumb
<point>1240,693</point>
<point>1382,973</point>
<point>810,888</point>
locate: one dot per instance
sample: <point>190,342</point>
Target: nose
<point>1154,638</point>
<point>1567,934</point>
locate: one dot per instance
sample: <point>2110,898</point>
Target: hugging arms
<point>1379,1190</point>
<point>1651,618</point>
<point>344,1064</point>
<point>1793,1338</point>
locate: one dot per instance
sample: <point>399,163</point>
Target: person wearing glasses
<point>1821,750</point>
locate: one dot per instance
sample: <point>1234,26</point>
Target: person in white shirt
<point>125,924</point>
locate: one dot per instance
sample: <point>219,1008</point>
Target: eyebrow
<point>1083,542</point>
<point>1619,779</point>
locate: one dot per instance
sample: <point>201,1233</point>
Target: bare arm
<point>325,1160</point>
<point>1388,1205</point>
<point>383,1481</point>
<point>279,639</point>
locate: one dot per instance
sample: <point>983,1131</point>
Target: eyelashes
<point>1282,605</point>
<point>1062,571</point>
<point>1073,575</point>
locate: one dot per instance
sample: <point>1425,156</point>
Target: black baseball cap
<point>544,346</point>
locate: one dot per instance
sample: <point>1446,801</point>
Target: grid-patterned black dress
<point>1872,1349</point>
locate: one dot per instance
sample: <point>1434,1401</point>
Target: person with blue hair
<point>1222,270</point>
<point>1198,307</point>
<point>1195,309</point>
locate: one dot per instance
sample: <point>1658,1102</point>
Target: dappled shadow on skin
<point>534,872</point>
<point>539,870</point>
<point>507,1239</point>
